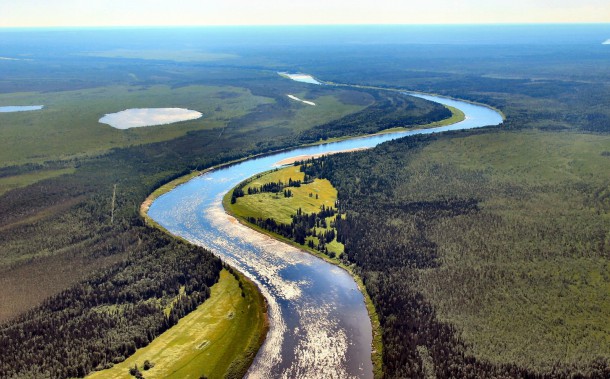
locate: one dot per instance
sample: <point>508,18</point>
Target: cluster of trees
<point>135,371</point>
<point>303,225</point>
<point>272,187</point>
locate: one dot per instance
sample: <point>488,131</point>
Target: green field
<point>281,208</point>
<point>327,108</point>
<point>491,245</point>
<point>205,342</point>
<point>308,197</point>
<point>68,125</point>
<point>24,180</point>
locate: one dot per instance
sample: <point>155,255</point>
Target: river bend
<point>319,326</point>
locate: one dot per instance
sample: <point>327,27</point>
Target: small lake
<point>319,326</point>
<point>303,78</point>
<point>142,117</point>
<point>20,108</point>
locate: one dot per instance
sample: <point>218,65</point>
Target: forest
<point>104,319</point>
<point>465,256</point>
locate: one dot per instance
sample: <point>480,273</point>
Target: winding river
<point>319,326</point>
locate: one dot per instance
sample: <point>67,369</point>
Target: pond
<point>142,117</point>
<point>20,108</point>
<point>303,78</point>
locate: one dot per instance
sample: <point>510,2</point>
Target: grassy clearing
<point>68,125</point>
<point>290,115</point>
<point>281,209</point>
<point>219,338</point>
<point>24,180</point>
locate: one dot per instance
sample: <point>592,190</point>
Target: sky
<point>94,13</point>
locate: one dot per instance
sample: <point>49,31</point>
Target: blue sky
<point>36,13</point>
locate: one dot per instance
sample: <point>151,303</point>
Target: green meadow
<point>67,127</point>
<point>281,208</point>
<point>68,124</point>
<point>219,339</point>
<point>308,197</point>
<point>24,180</point>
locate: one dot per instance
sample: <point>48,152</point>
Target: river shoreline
<point>187,184</point>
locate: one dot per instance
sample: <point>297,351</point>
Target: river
<point>319,326</point>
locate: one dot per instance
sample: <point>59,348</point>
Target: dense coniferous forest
<point>400,236</point>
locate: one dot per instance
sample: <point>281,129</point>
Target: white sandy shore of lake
<point>141,117</point>
<point>301,100</point>
<point>310,156</point>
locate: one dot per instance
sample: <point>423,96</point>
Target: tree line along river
<point>319,325</point>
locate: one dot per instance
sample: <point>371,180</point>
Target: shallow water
<point>319,326</point>
<point>301,100</point>
<point>303,78</point>
<point>141,117</point>
<point>20,108</point>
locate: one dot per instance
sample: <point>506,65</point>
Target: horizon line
<point>542,23</point>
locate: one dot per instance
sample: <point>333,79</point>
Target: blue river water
<point>319,326</point>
